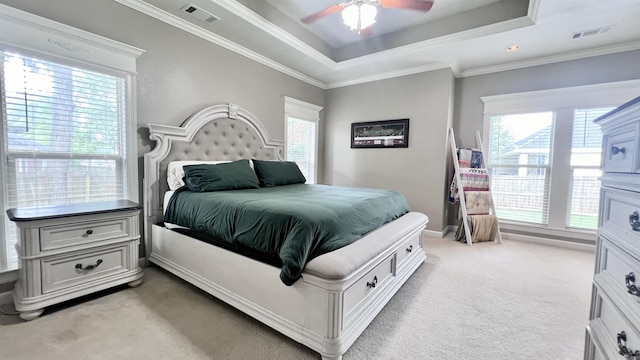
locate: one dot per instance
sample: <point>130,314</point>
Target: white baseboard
<point>435,234</point>
<point>551,242</point>
<point>540,240</point>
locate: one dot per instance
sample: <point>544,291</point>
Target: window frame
<point>562,102</point>
<point>301,110</point>
<point>35,36</point>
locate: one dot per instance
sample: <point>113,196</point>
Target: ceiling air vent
<point>581,34</point>
<point>199,13</point>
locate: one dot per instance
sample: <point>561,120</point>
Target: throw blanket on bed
<point>295,222</point>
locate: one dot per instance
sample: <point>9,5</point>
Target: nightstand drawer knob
<point>630,281</point>
<point>410,249</point>
<point>89,267</point>
<point>634,221</point>
<point>89,232</point>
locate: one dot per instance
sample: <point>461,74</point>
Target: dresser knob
<point>616,150</point>
<point>89,232</point>
<point>410,249</point>
<point>88,267</point>
<point>373,283</point>
<point>624,350</point>
<point>634,221</point>
<point>630,281</point>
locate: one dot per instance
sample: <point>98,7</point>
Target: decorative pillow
<point>175,171</point>
<point>275,173</point>
<point>228,176</point>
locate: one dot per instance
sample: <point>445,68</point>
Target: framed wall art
<point>380,134</point>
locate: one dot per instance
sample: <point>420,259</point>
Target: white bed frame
<point>340,292</point>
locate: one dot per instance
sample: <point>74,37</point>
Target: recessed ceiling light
<point>513,48</point>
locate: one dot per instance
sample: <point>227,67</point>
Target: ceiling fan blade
<point>421,5</point>
<point>328,11</point>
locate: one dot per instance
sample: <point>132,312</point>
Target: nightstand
<point>68,251</point>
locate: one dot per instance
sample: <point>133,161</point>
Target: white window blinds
<point>302,145</point>
<point>519,161</point>
<point>584,193</point>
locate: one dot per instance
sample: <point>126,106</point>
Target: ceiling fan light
<point>368,14</point>
<point>350,16</point>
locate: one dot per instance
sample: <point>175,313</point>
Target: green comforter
<point>294,222</point>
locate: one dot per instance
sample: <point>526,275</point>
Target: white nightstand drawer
<point>55,237</point>
<point>65,271</point>
<point>620,150</point>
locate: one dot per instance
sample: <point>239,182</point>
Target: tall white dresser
<point>614,327</point>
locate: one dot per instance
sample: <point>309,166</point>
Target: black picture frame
<point>380,134</point>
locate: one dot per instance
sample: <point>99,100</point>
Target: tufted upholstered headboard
<point>218,132</point>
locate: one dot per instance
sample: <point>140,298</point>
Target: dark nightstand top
<point>59,211</point>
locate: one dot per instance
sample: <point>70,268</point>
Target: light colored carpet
<point>487,302</point>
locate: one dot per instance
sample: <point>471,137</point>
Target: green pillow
<point>227,176</point>
<point>275,173</point>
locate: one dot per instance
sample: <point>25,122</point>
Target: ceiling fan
<point>360,14</point>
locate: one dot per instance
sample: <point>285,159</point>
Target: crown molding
<point>265,25</point>
<point>181,24</point>
<point>544,60</point>
<point>372,59</point>
<point>391,74</point>
<point>23,30</point>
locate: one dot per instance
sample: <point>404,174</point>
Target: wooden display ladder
<point>463,206</point>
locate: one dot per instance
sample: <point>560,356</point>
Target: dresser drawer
<point>608,325</point>
<point>59,236</point>
<point>407,248</point>
<point>592,349</point>
<point>620,150</point>
<point>618,274</point>
<point>619,208</point>
<point>364,288</point>
<point>62,272</point>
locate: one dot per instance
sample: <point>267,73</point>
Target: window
<point>64,133</point>
<point>584,192</point>
<point>543,152</point>
<point>301,120</point>
<point>67,119</point>
<point>301,146</point>
<point>519,152</point>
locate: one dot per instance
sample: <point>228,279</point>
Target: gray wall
<point>180,73</point>
<point>417,171</point>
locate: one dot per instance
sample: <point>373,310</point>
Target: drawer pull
<point>89,232</point>
<point>89,267</point>
<point>630,280</point>
<point>624,350</point>
<point>634,221</point>
<point>616,150</point>
<point>373,283</point>
<point>410,249</point>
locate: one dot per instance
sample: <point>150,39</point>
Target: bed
<point>338,294</point>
